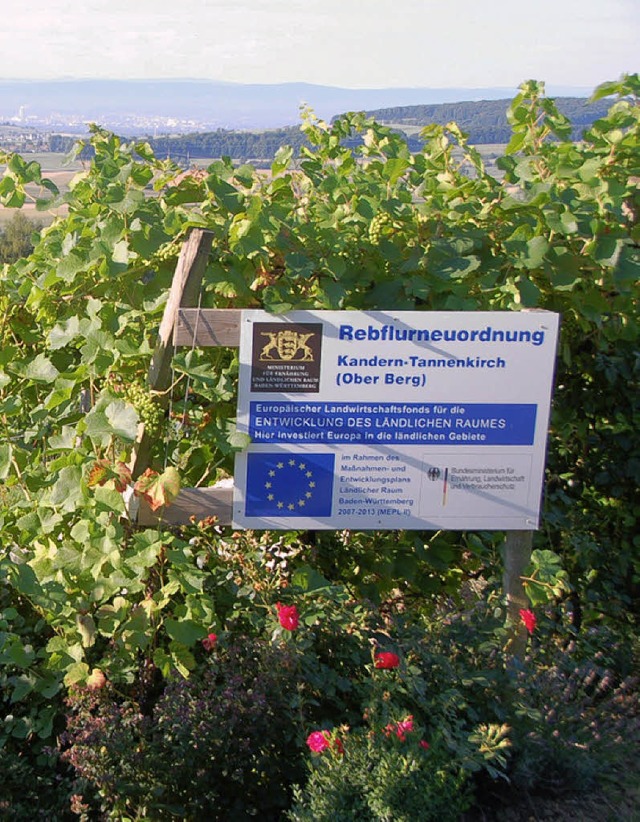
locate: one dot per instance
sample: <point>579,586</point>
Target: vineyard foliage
<point>369,226</point>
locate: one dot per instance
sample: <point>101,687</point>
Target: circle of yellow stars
<point>307,483</point>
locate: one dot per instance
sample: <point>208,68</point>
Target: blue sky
<point>348,43</point>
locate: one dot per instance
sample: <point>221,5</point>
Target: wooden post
<point>517,556</point>
<point>185,289</point>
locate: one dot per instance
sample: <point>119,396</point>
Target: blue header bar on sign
<point>401,423</point>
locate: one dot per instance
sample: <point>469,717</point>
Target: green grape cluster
<point>149,411</point>
<point>376,225</point>
<point>167,251</point>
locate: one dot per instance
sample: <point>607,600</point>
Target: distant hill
<point>126,105</point>
<point>485,121</point>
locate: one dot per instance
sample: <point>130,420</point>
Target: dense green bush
<point>576,719</point>
<point>17,238</point>
<point>229,741</point>
<point>35,785</point>
<point>381,778</point>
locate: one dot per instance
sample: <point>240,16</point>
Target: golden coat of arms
<point>286,345</point>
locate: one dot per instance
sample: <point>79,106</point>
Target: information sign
<point>399,419</point>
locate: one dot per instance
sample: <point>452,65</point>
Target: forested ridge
<point>485,121</point>
<point>243,145</point>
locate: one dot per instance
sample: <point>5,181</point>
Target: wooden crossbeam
<point>198,503</point>
<point>208,327</point>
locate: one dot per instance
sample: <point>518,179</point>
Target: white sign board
<point>398,419</point>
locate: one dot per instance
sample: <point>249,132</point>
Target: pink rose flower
<point>319,741</point>
<point>386,659</point>
<point>529,619</point>
<point>400,729</point>
<point>288,616</point>
<point>404,727</point>
<point>209,642</point>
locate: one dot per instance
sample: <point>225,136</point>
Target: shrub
<point>34,785</point>
<point>220,745</point>
<point>382,777</point>
<point>577,718</point>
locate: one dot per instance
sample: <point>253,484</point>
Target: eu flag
<point>289,485</point>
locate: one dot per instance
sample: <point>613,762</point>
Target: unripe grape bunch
<point>149,412</point>
<point>167,251</point>
<point>376,225</point>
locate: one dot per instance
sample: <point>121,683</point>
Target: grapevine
<point>363,228</point>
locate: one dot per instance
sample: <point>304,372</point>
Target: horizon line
<point>205,80</point>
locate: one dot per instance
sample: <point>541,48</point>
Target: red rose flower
<point>288,616</point>
<point>386,659</point>
<point>529,619</point>
<point>209,642</point>
<point>424,744</point>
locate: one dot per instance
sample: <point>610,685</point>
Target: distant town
<point>29,133</point>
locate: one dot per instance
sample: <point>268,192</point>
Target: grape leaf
<point>156,489</point>
<point>102,471</point>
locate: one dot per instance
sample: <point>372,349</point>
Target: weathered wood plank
<point>208,327</point>
<point>200,503</point>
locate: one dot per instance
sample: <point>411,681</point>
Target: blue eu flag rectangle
<point>289,485</point>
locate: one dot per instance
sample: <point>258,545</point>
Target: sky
<point>345,43</point>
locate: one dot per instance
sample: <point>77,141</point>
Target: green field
<point>57,168</point>
<point>51,161</point>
